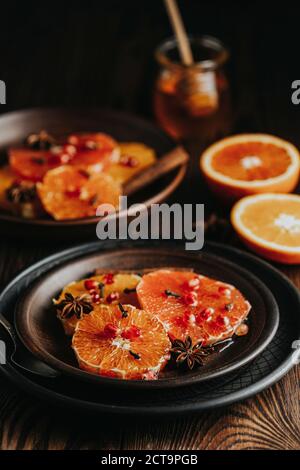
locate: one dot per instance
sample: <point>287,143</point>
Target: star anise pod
<point>77,306</point>
<point>189,354</point>
<point>21,193</point>
<point>40,141</point>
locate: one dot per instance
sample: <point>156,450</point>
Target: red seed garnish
<point>222,321</point>
<point>95,297</point>
<point>112,297</point>
<point>225,291</point>
<point>190,299</point>
<point>73,193</point>
<point>192,284</point>
<point>205,314</point>
<point>110,331</point>
<point>90,284</point>
<point>127,160</point>
<point>108,278</point>
<point>183,320</point>
<point>131,332</point>
<point>73,140</point>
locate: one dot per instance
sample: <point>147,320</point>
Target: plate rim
<point>62,400</point>
<point>135,120</point>
<point>272,322</point>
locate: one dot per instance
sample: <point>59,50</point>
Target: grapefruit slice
<point>269,224</point>
<point>121,341</point>
<point>250,163</point>
<point>94,151</point>
<point>68,193</point>
<point>108,288</point>
<point>134,157</point>
<point>192,305</point>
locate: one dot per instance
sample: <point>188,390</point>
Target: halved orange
<point>249,164</point>
<point>121,341</point>
<point>193,305</point>
<point>134,157</point>
<point>269,224</point>
<point>109,289</point>
<point>68,193</point>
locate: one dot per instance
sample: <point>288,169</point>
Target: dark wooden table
<point>101,54</point>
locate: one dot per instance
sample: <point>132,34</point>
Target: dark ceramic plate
<point>42,334</point>
<point>14,127</point>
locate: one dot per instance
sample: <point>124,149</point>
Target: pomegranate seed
<point>190,299</point>
<point>205,314</point>
<point>220,321</point>
<point>73,140</point>
<point>65,158</point>
<point>90,284</point>
<point>95,298</point>
<point>112,297</point>
<point>70,149</point>
<point>127,160</point>
<point>110,331</point>
<point>131,332</point>
<point>225,291</point>
<point>108,278</point>
<point>73,193</point>
<point>182,321</point>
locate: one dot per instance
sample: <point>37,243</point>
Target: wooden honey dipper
<point>196,88</point>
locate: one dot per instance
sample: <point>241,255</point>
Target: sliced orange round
<point>249,164</point>
<point>269,224</point>
<point>94,151</point>
<point>192,305</point>
<point>68,193</point>
<point>32,164</point>
<point>121,341</point>
<point>134,157</point>
<point>108,288</point>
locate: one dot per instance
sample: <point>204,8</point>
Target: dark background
<point>100,53</point>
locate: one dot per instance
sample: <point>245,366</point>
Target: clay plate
<point>15,126</point>
<point>42,333</point>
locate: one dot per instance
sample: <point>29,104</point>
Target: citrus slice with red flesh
<point>192,305</point>
<point>68,193</point>
<point>134,157</point>
<point>32,165</point>
<point>108,288</point>
<point>121,341</point>
<point>269,224</point>
<point>249,164</point>
<point>94,151</point>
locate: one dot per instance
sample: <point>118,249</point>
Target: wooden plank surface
<point>101,54</point>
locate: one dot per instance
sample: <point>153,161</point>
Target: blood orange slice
<point>109,289</point>
<point>68,193</point>
<point>94,151</point>
<point>121,341</point>
<point>192,305</point>
<point>32,165</point>
<point>249,164</point>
